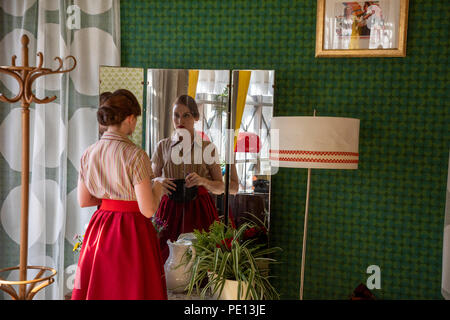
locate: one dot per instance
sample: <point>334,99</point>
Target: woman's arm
<point>233,187</point>
<point>85,198</point>
<point>157,170</point>
<point>165,182</point>
<point>148,195</point>
<point>216,185</point>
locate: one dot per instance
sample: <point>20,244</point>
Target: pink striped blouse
<point>112,166</point>
<point>165,167</point>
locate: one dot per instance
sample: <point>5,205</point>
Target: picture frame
<point>361,28</point>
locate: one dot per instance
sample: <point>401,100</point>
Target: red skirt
<point>184,217</point>
<point>120,256</point>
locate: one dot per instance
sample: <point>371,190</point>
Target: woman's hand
<point>166,184</point>
<point>193,179</point>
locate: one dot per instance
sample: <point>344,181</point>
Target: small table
<point>244,205</point>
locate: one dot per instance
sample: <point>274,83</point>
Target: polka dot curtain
<point>59,131</point>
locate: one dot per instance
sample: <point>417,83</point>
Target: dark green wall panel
<point>389,212</point>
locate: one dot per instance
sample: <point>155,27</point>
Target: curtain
<point>446,244</point>
<point>59,131</point>
<point>164,86</point>
<point>212,81</point>
<point>261,83</point>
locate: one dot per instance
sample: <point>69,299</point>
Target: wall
<point>389,212</point>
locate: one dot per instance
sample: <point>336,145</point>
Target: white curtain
<point>212,81</point>
<point>215,82</point>
<point>59,131</point>
<point>446,244</point>
<point>261,83</point>
<point>164,86</point>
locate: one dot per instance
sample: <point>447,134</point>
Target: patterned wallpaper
<point>132,79</point>
<point>389,212</point>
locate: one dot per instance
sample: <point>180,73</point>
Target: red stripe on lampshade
<point>318,153</point>
<point>321,160</point>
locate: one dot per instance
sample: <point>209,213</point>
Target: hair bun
<point>116,106</point>
<point>107,115</point>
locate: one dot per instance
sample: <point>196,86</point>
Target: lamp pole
<point>305,230</point>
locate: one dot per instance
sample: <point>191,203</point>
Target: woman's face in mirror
<point>183,118</point>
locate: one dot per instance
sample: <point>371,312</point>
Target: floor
<point>170,296</point>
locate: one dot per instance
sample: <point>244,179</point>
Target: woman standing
<point>198,211</point>
<point>120,255</point>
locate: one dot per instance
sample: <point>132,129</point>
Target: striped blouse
<point>162,159</point>
<point>112,166</point>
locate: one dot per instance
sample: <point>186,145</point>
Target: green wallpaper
<point>389,212</point>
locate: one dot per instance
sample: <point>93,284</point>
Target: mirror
<point>196,101</point>
<point>252,110</point>
<point>247,112</point>
<point>210,89</point>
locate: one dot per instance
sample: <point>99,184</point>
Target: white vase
<point>177,277</point>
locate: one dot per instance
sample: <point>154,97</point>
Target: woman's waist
<point>197,190</point>
<point>179,172</point>
<point>119,205</point>
<point>193,194</point>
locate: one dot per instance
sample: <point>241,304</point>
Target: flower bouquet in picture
<point>229,260</point>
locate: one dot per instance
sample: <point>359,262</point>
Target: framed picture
<point>361,28</point>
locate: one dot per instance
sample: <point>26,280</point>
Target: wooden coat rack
<point>25,76</point>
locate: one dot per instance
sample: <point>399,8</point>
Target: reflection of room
<point>251,111</point>
<point>255,120</point>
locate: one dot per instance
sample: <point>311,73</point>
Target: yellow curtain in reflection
<point>193,80</point>
<point>243,83</point>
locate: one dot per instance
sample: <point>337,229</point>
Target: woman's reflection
<point>234,180</point>
<point>187,205</point>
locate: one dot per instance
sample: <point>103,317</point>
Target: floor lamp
<point>313,143</point>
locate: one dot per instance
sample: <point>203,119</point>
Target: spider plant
<point>224,253</point>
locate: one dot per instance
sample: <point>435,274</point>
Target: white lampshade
<point>314,142</point>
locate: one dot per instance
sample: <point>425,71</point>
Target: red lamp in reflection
<point>203,136</point>
<point>247,142</point>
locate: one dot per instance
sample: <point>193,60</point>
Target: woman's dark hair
<point>103,96</point>
<point>116,106</point>
<point>189,102</point>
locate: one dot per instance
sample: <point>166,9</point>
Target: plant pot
<point>230,290</point>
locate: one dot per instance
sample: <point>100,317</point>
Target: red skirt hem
<point>120,258</point>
